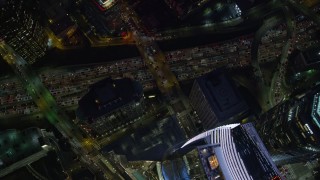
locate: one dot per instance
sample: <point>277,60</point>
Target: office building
<point>217,100</point>
<point>149,143</point>
<point>20,30</point>
<point>20,148</point>
<point>228,152</point>
<point>292,128</point>
<point>111,104</point>
<point>103,17</point>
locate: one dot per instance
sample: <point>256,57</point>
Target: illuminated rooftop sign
<point>105,4</point>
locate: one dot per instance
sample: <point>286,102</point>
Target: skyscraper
<point>22,31</point>
<point>103,17</point>
<point>110,105</point>
<point>292,128</point>
<point>231,151</point>
<point>217,100</point>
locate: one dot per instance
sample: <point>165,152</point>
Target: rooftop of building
<point>108,95</point>
<point>237,150</point>
<point>222,95</point>
<point>149,143</point>
<point>305,60</point>
<point>210,162</point>
<point>16,145</point>
<point>174,169</point>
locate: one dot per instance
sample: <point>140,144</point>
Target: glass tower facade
<point>292,128</point>
<point>231,151</point>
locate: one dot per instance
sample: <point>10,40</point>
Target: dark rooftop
<point>149,143</point>
<point>305,60</point>
<point>61,25</point>
<point>108,95</point>
<point>222,95</point>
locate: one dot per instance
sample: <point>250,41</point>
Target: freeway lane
<point>267,25</point>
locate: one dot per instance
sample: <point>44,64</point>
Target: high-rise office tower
<point>22,31</point>
<point>228,152</point>
<point>292,128</point>
<point>60,23</point>
<point>110,105</point>
<point>217,100</point>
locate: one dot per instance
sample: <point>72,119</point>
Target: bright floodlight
<point>106,3</point>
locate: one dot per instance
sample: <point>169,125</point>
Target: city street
<point>47,104</point>
<point>154,58</point>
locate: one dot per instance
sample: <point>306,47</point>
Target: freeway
<point>268,94</point>
<point>279,86</point>
<point>267,25</point>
